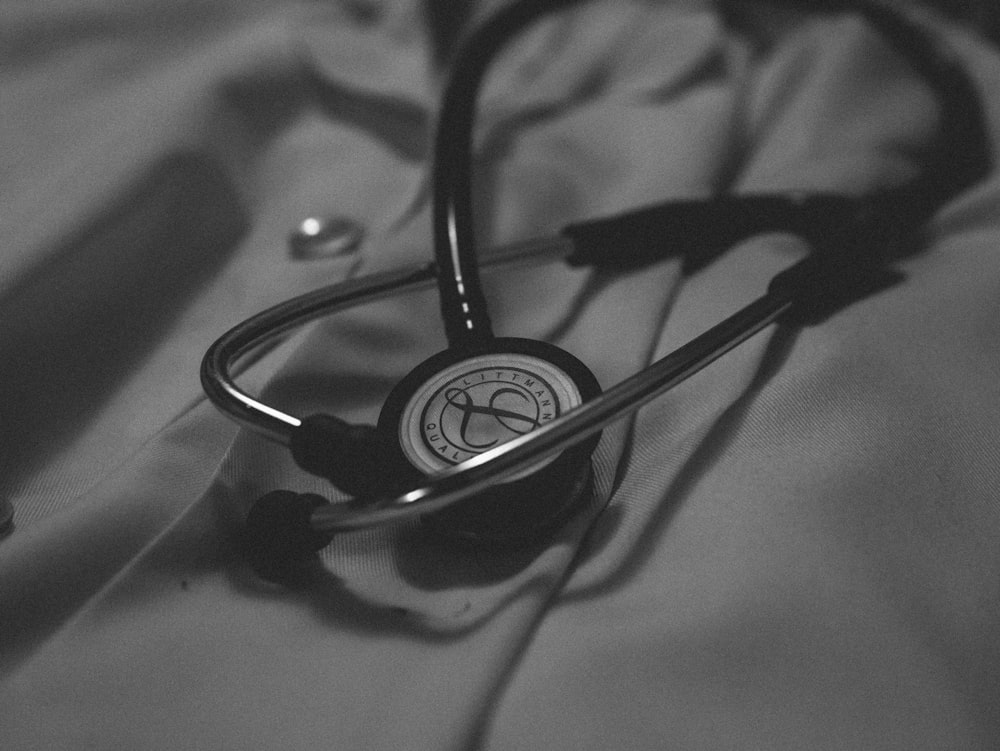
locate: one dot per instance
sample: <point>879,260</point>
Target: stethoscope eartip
<point>277,538</point>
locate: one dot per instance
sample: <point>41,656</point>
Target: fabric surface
<point>797,548</point>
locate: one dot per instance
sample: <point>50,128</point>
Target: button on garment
<point>325,238</point>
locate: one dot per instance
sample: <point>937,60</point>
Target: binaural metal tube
<point>275,322</point>
<point>470,477</point>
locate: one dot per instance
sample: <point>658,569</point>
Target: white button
<point>326,238</point>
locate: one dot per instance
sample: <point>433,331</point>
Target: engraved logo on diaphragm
<point>485,407</point>
<point>480,403</point>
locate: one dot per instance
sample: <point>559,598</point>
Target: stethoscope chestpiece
<point>465,401</point>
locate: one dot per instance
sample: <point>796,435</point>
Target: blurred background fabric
<point>794,549</point>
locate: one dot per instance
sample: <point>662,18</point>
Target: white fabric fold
<point>793,549</point>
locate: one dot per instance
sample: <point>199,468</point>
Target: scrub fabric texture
<point>797,548</point>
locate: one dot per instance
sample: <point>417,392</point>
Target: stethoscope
<point>490,440</point>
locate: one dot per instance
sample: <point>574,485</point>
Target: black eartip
<point>355,458</point>
<point>278,539</point>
